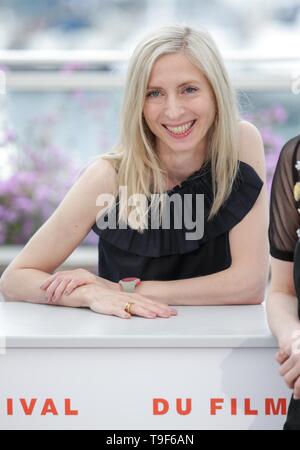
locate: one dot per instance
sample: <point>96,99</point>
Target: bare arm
<point>58,237</point>
<point>282,302</point>
<point>56,240</point>
<point>245,280</point>
<point>282,313</point>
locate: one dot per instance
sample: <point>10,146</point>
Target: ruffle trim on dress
<point>160,242</point>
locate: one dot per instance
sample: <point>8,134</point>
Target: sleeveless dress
<point>284,232</point>
<point>165,254</point>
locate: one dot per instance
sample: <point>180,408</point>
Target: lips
<point>180,125</point>
<point>180,135</point>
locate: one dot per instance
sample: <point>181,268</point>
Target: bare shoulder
<point>251,147</point>
<point>70,222</point>
<point>100,173</point>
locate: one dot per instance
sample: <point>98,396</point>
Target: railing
<point>85,255</point>
<point>94,70</point>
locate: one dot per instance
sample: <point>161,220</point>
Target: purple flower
<point>72,67</point>
<point>266,119</point>
<point>9,136</point>
<point>30,195</point>
<point>4,68</point>
<point>24,204</point>
<point>279,114</point>
<point>9,216</point>
<point>27,227</point>
<point>2,233</point>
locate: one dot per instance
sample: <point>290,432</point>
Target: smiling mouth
<point>181,131</point>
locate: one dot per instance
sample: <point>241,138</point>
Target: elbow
<point>253,290</point>
<point>256,299</point>
<point>2,284</point>
<point>4,287</point>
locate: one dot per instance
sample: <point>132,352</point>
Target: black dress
<point>283,232</point>
<point>165,254</point>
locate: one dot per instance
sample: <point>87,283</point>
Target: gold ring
<point>128,307</point>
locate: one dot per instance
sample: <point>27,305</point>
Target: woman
<point>180,134</point>
<point>283,307</point>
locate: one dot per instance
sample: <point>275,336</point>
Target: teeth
<point>182,129</point>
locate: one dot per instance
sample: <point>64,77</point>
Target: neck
<point>180,166</point>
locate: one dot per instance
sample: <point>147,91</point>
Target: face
<point>179,107</point>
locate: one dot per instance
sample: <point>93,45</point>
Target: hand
<point>290,367</point>
<point>104,300</point>
<point>64,282</point>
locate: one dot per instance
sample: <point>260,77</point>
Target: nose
<point>173,109</point>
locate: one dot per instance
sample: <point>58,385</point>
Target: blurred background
<point>62,69</point>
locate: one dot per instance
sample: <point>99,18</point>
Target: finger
<point>291,376</point>
<point>140,305</point>
<point>50,280</point>
<point>296,392</point>
<point>70,287</point>
<point>47,282</point>
<point>51,289</point>
<point>53,277</point>
<point>282,352</point>
<point>100,308</point>
<point>154,306</point>
<point>139,310</point>
<point>281,357</point>
<point>115,305</point>
<point>59,291</point>
<point>286,366</point>
<point>159,304</point>
<point>287,350</point>
<point>121,313</point>
<point>73,284</point>
<point>161,311</point>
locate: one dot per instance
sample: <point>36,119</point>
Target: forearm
<point>24,285</point>
<point>228,287</point>
<point>282,316</point>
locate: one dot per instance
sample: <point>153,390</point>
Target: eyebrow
<point>180,85</point>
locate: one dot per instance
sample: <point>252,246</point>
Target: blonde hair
<point>135,158</point>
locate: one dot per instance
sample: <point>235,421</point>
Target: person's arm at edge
<point>282,303</point>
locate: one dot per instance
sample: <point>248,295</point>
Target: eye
<point>193,89</point>
<point>150,94</point>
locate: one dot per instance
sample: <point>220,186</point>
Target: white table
<point>111,369</point>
